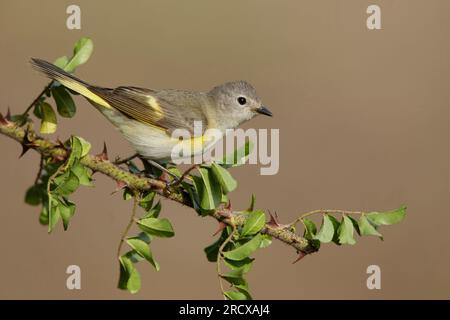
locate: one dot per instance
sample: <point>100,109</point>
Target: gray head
<point>237,102</point>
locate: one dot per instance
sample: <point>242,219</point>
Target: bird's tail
<point>68,80</point>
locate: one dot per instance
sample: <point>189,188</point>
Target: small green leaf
<point>48,123</point>
<point>346,231</point>
<point>243,265</point>
<point>388,217</point>
<point>224,177</point>
<point>83,174</point>
<point>66,210</point>
<point>143,249</point>
<point>157,227</point>
<point>336,225</point>
<point>127,194</point>
<point>212,250</point>
<point>154,211</point>
<point>243,288</point>
<point>34,195</point>
<point>208,189</point>
<point>43,216</point>
<point>233,295</point>
<point>254,223</point>
<point>61,62</point>
<point>238,157</point>
<point>234,277</point>
<point>81,53</point>
<point>146,202</point>
<point>53,214</point>
<point>245,250</point>
<point>64,102</point>
<point>367,229</point>
<point>310,229</point>
<point>326,232</point>
<point>129,276</point>
<point>66,183</point>
<point>266,241</point>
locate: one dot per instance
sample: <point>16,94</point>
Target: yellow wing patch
<point>153,103</point>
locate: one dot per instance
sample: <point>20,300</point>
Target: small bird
<point>147,117</point>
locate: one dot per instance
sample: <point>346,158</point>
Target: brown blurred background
<point>363,118</point>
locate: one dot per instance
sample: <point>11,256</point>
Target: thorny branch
<point>27,137</point>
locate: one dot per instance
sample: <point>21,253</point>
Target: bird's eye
<point>242,101</point>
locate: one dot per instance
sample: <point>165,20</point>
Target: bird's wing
<point>147,106</point>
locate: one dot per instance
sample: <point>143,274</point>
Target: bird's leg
<point>119,161</point>
<point>177,180</point>
<point>150,164</point>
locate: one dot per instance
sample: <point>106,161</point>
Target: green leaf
<point>34,195</point>
<point>245,250</point>
<point>143,249</point>
<point>66,210</point>
<point>243,265</point>
<point>326,232</point>
<point>83,174</point>
<point>208,190</point>
<point>48,123</point>
<point>212,250</point>
<point>66,183</point>
<point>310,229</point>
<point>233,295</point>
<point>81,53</point>
<point>129,276</point>
<point>346,231</point>
<point>234,277</point>
<point>43,216</point>
<point>157,227</point>
<point>254,223</point>
<point>64,102</point>
<point>238,157</point>
<point>61,62</point>
<point>388,217</point>
<point>154,211</point>
<point>367,229</point>
<point>243,288</point>
<point>266,241</point>
<point>224,177</point>
<point>53,214</point>
<point>146,202</point>
<point>336,225</point>
<point>127,194</point>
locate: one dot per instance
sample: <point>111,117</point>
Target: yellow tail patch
<point>81,89</point>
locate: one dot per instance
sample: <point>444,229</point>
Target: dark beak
<point>263,110</point>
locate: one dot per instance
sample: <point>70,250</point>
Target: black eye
<point>242,101</point>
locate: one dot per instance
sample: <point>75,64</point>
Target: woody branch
<point>29,140</point>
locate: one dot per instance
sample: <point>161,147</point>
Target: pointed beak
<point>263,110</point>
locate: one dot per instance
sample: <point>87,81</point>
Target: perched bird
<point>147,118</point>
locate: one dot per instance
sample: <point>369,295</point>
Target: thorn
<point>119,186</point>
<point>273,220</point>
<point>300,256</point>
<point>25,148</point>
<point>228,206</point>
<point>104,154</point>
<point>3,120</point>
<point>59,143</point>
<point>27,143</point>
<point>221,227</point>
